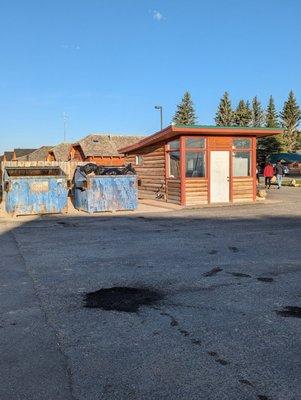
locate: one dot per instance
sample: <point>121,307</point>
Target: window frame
<point>137,158</point>
<point>241,148</point>
<point>203,150</point>
<point>168,150</point>
<point>248,150</point>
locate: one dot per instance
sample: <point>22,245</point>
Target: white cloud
<point>70,46</point>
<point>157,15</point>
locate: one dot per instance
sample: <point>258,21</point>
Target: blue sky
<point>106,63</point>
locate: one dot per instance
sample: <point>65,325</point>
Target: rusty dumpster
<point>96,193</point>
<point>35,190</point>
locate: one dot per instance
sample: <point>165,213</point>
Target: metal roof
<point>286,157</point>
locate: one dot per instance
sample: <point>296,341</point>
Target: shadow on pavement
<point>210,321</point>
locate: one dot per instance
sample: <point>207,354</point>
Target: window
<point>195,142</point>
<point>241,143</point>
<point>195,157</point>
<point>242,157</point>
<point>241,163</point>
<point>195,164</point>
<point>174,159</point>
<point>174,145</point>
<point>174,164</point>
<point>139,160</point>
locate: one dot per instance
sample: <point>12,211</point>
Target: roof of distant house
<point>286,157</point>
<point>37,155</point>
<point>102,145</point>
<point>61,152</point>
<point>8,155</point>
<point>23,152</point>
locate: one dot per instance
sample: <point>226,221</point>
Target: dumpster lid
<point>34,171</point>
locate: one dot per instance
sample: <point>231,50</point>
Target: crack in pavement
<point>48,322</point>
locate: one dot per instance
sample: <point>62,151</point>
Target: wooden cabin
<point>102,149</point>
<point>196,165</point>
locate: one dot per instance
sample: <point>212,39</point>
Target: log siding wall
<point>173,190</point>
<point>196,191</point>
<point>242,189</point>
<point>151,172</point>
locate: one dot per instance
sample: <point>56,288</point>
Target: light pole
<point>161,115</point>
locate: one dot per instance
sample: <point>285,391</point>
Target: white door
<point>219,177</point>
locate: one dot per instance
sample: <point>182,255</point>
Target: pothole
<point>126,299</point>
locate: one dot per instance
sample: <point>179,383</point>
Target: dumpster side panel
<point>81,199</point>
<point>108,193</point>
<point>112,193</point>
<point>36,195</point>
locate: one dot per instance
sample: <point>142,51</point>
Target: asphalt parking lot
<point>223,322</point>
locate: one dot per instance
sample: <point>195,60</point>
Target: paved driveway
<point>220,329</point>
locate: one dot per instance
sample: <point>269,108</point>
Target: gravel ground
<point>216,329</point>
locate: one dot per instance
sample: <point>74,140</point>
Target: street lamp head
<point>158,107</point>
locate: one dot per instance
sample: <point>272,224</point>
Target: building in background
<point>37,155</point>
<point>291,160</point>
<point>22,153</point>
<point>61,152</point>
<point>102,149</point>
<point>8,156</point>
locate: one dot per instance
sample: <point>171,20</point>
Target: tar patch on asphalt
<point>246,382</point>
<point>213,271</point>
<point>126,299</point>
<point>211,252</point>
<point>233,249</point>
<point>264,279</point>
<point>239,275</point>
<point>290,311</point>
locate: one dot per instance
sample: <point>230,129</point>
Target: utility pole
<point>161,115</point>
<point>65,119</point>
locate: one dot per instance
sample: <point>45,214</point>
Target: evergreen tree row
<point>252,115</point>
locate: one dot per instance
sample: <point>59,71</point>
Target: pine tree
<point>257,113</point>
<point>299,141</point>
<point>224,114</point>
<point>242,114</point>
<point>271,117</point>
<point>290,118</point>
<point>185,114</point>
<point>270,144</point>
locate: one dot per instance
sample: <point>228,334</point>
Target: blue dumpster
<point>96,193</point>
<point>35,190</point>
